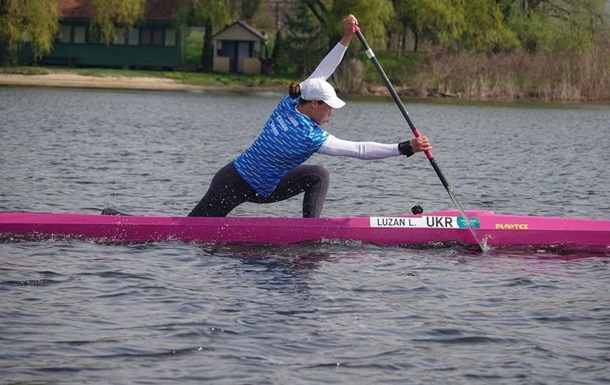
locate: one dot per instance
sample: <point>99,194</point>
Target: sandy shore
<point>66,79</point>
<point>81,81</point>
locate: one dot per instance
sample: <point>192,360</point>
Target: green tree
<point>458,24</point>
<point>305,42</point>
<point>315,26</point>
<point>218,13</point>
<point>405,23</point>
<point>34,21</point>
<point>249,9</point>
<point>558,25</point>
<point>110,13</point>
<point>212,15</point>
<point>484,28</point>
<point>207,54</point>
<point>438,21</point>
<point>280,56</point>
<point>533,29</point>
<point>373,17</point>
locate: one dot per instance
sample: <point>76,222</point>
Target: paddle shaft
<point>371,55</point>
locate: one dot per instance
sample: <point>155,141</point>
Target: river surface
<point>76,312</point>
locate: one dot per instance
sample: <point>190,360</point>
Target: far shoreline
<point>61,79</point>
<point>71,80</point>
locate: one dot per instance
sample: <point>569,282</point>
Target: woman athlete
<point>272,169</point>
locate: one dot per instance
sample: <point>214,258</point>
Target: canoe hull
<point>497,230</point>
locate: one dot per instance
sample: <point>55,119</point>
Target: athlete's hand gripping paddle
<point>405,114</point>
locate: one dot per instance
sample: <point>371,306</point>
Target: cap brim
<point>335,102</point>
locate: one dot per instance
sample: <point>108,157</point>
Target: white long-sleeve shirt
<point>289,138</point>
<point>334,146</point>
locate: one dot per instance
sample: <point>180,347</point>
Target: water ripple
<point>76,311</point>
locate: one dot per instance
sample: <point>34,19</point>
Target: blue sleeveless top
<point>287,140</point>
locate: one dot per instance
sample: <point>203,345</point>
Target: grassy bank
<point>574,77</point>
<point>516,76</point>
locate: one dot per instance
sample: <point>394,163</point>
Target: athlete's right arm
<point>362,150</point>
<point>372,150</point>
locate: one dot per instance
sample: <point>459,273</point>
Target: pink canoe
<point>444,227</point>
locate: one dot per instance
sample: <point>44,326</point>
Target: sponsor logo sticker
<point>512,226</point>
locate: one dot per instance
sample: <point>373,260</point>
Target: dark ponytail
<point>294,90</point>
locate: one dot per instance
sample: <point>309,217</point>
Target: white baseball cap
<point>320,89</point>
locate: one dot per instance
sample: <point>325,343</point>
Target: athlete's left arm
<point>329,64</point>
<point>331,61</point>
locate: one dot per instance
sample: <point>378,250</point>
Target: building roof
<point>84,9</point>
<point>240,24</point>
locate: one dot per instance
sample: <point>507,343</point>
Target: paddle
<point>439,173</point>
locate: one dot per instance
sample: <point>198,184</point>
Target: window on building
<point>150,36</point>
<point>65,34</point>
<point>93,37</point>
<point>170,37</point>
<point>120,36</point>
<point>157,37</point>
<point>80,34</point>
<point>146,36</point>
<point>134,36</point>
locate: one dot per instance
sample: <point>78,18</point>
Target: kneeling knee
<point>322,173</point>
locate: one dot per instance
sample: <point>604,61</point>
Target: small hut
<point>239,48</point>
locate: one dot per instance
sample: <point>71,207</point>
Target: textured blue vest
<point>287,140</point>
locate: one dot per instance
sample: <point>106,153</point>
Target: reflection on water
<point>289,258</point>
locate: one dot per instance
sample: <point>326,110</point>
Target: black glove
<point>405,148</point>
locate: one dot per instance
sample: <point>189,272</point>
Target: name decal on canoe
<point>424,222</point>
<point>512,226</point>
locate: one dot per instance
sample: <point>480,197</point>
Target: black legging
<point>228,190</point>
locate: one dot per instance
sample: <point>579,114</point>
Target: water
<point>76,312</point>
